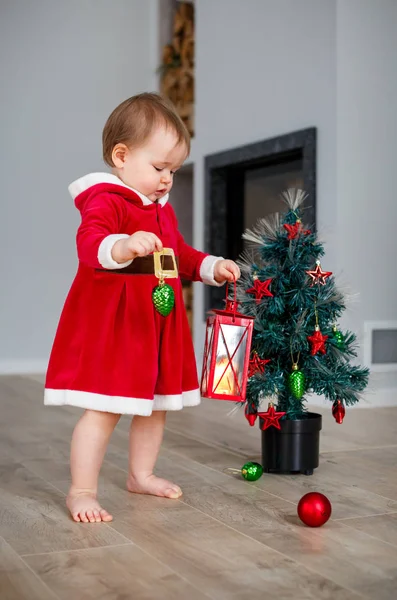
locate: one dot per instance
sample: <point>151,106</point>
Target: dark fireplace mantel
<point>226,176</point>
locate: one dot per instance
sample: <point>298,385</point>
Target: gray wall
<point>64,67</point>
<point>366,165</point>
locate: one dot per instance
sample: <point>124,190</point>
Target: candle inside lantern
<point>224,380</point>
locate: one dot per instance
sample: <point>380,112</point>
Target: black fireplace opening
<point>244,184</point>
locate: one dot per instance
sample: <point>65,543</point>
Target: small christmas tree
<point>297,347</point>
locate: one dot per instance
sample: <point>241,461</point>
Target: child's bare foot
<point>84,507</point>
<point>153,486</point>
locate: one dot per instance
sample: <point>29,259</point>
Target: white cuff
<point>105,258</point>
<point>207,270</point>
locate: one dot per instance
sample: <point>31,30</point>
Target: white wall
<point>64,67</point>
<point>366,164</point>
<point>265,68</point>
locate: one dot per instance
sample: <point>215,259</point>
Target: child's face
<point>150,168</point>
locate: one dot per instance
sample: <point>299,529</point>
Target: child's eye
<point>158,169</point>
<point>172,172</point>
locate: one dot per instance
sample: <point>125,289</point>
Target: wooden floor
<point>226,539</point>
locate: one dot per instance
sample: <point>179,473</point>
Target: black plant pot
<point>295,448</point>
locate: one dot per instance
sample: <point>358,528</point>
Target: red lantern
<point>227,353</point>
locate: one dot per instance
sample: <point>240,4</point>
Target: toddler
<point>120,347</point>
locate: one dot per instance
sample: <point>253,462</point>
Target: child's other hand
<point>140,243</point>
<point>226,270</point>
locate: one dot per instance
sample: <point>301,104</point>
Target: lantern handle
<point>234,296</point>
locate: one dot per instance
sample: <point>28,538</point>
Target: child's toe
<point>83,517</point>
<point>90,516</point>
<point>106,516</point>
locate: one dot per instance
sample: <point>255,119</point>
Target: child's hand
<point>140,243</point>
<point>226,270</point>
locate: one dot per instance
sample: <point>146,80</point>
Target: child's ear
<point>119,154</point>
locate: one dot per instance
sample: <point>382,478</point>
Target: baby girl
<point>123,344</point>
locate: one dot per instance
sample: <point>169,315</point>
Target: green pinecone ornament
<point>163,298</point>
<point>251,471</point>
<point>296,382</point>
<point>339,339</point>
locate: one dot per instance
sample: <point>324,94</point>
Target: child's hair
<point>133,121</point>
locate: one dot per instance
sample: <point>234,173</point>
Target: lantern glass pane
<point>210,336</point>
<point>230,357</point>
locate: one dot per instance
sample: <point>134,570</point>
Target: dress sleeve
<point>101,223</point>
<point>193,264</point>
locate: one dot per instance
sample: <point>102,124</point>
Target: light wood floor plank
<point>361,428</point>
<point>222,562</point>
<point>359,496</point>
<point>17,580</point>
<point>33,516</point>
<point>348,557</point>
<point>383,527</point>
<point>116,573</point>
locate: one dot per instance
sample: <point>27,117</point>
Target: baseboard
<point>22,367</point>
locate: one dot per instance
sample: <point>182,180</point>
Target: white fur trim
<point>207,270</point>
<point>84,183</point>
<point>105,258</point>
<point>120,405</point>
<point>177,402</point>
<point>114,404</point>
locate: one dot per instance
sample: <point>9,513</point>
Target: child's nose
<point>166,177</point>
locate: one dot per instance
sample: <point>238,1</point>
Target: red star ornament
<point>260,289</point>
<point>295,229</point>
<point>256,364</point>
<point>317,341</point>
<point>271,418</point>
<point>318,275</point>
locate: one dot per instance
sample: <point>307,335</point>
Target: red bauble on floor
<point>314,509</point>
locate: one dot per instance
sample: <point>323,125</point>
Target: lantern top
<point>229,313</point>
<point>230,309</point>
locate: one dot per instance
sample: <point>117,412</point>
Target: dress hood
<point>83,187</point>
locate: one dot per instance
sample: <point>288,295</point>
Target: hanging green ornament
<point>339,338</point>
<point>163,298</point>
<point>251,471</point>
<point>296,381</point>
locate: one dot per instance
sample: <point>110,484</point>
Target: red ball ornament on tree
<point>314,509</point>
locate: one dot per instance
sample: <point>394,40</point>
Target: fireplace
<point>245,183</point>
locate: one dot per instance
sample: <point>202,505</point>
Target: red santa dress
<point>113,351</point>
